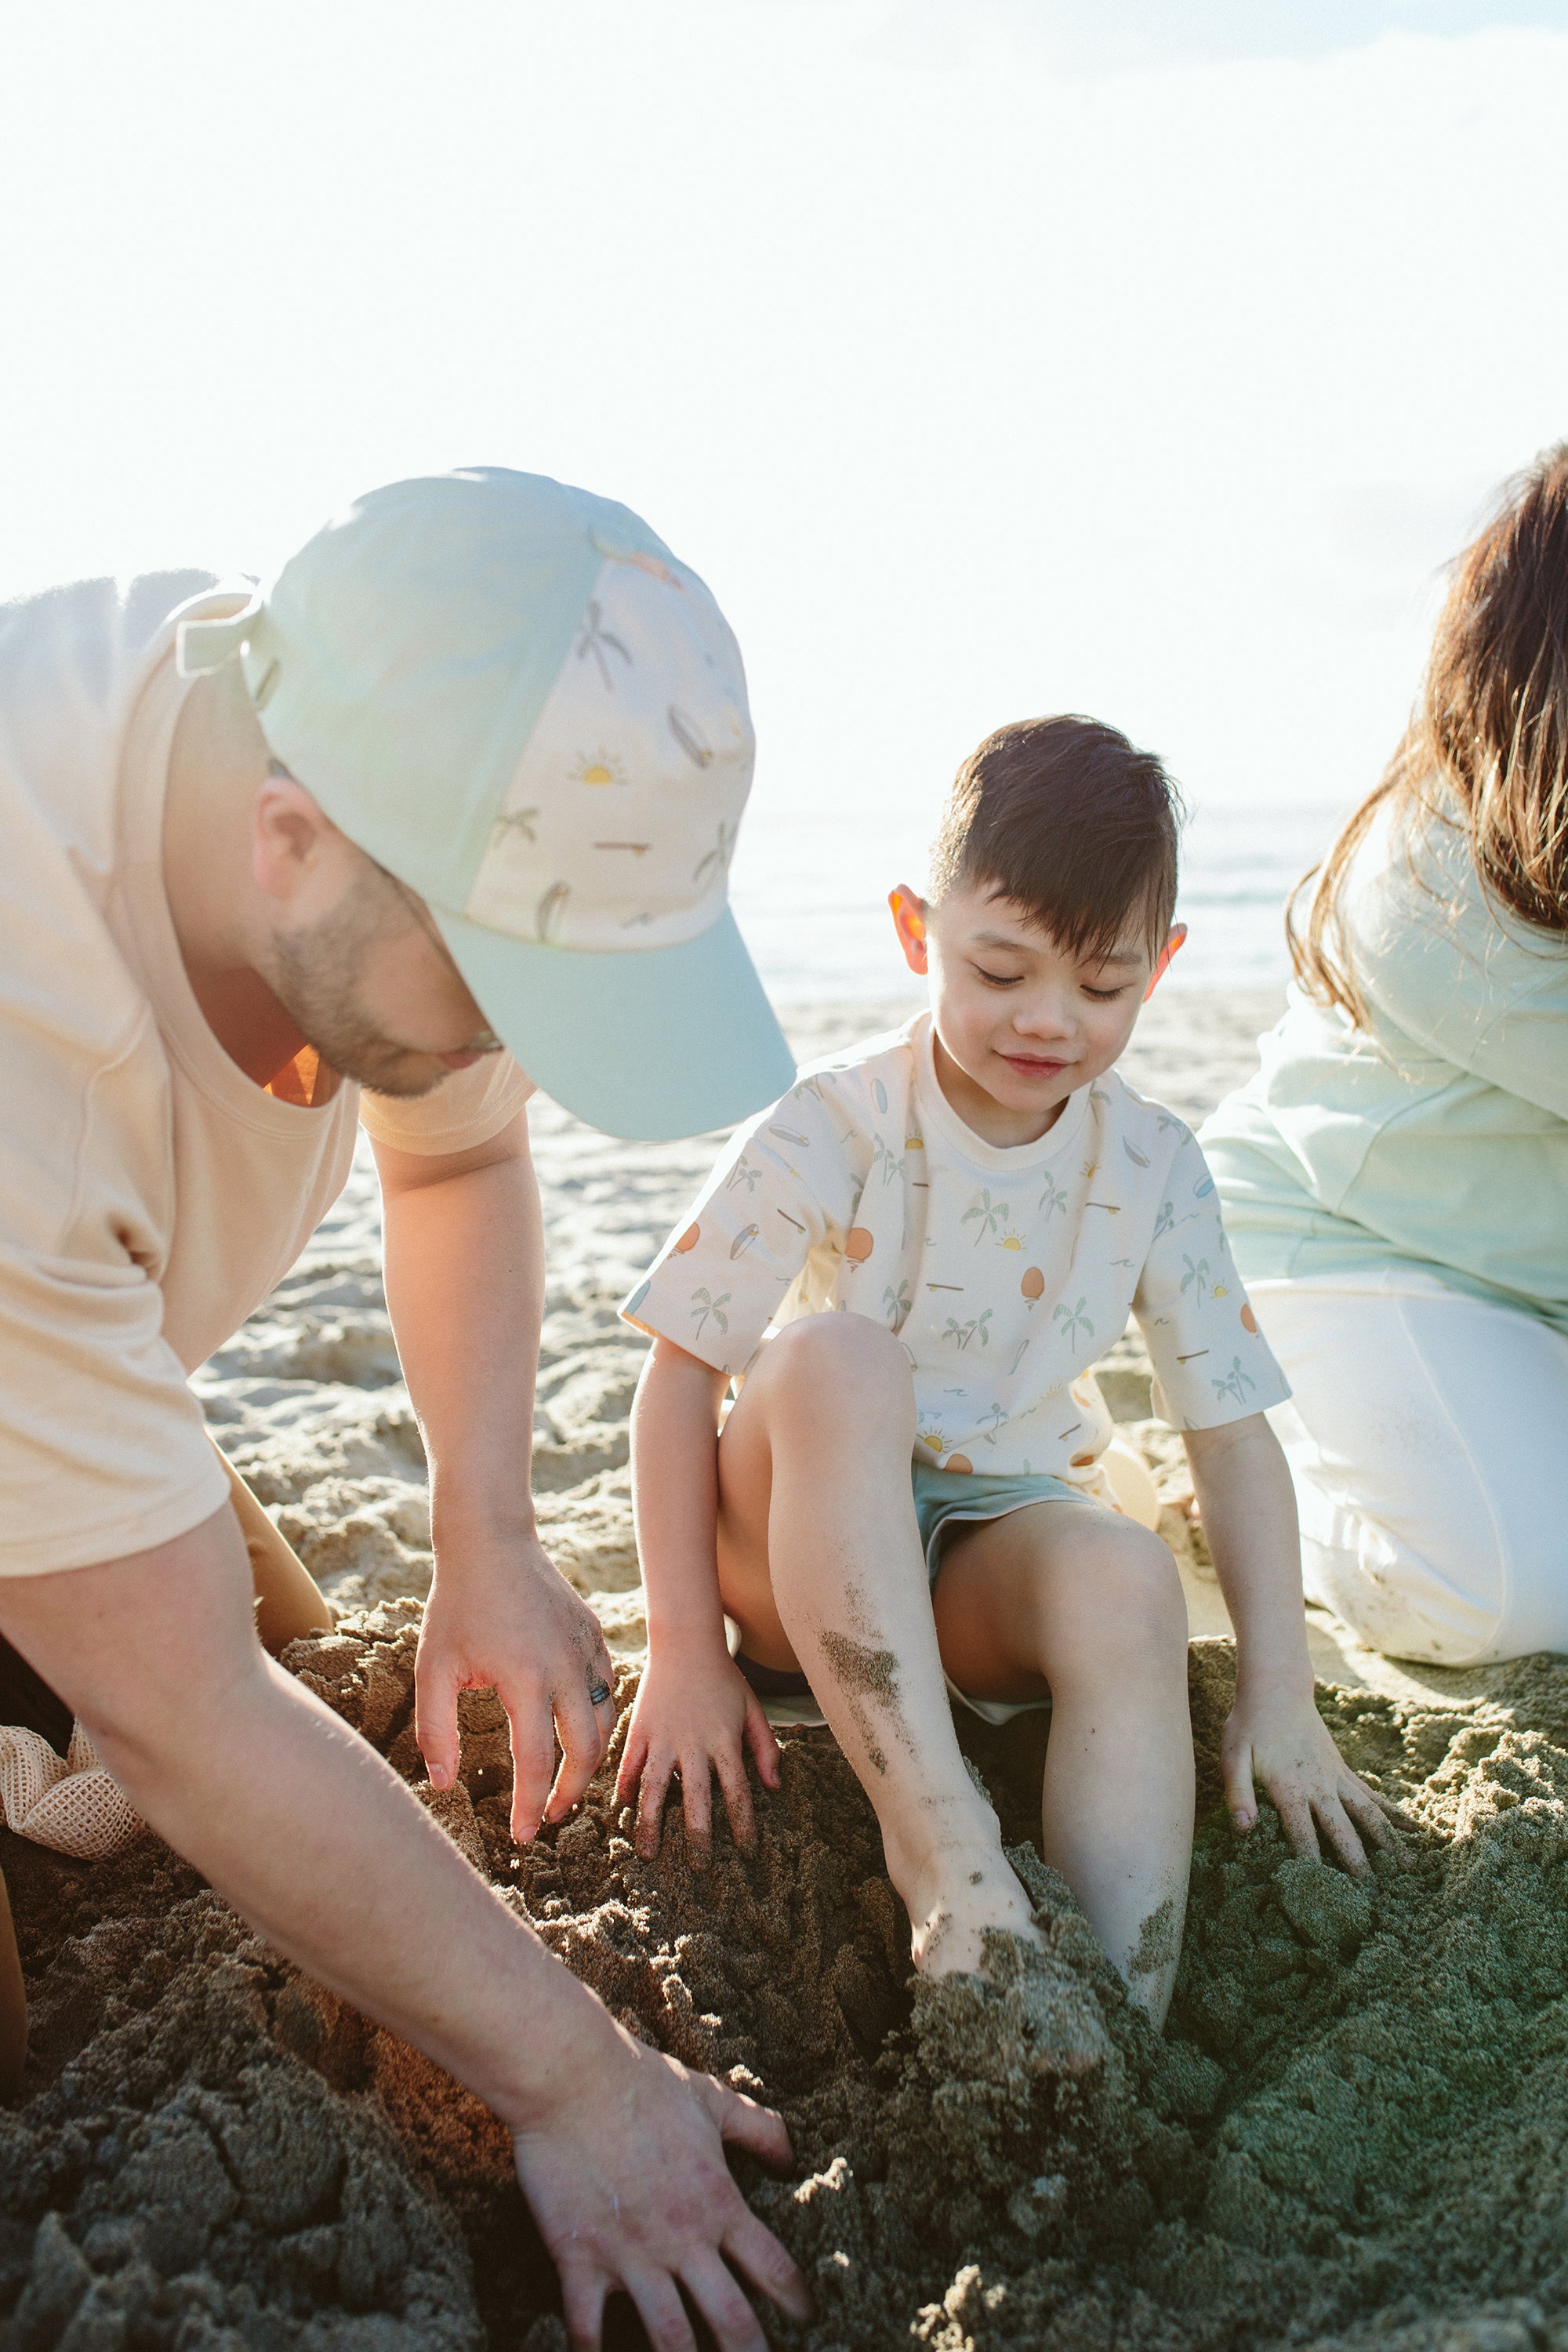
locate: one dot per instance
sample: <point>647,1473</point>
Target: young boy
<point>898,1492</point>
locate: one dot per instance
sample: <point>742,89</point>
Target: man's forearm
<point>465,1288</point>
<point>291,1816</point>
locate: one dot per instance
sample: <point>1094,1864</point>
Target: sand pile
<point>1354,2132</point>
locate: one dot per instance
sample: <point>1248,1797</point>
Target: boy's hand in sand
<point>695,1714</point>
<point>1275,1740</point>
<point>626,2179</point>
<point>501,1613</point>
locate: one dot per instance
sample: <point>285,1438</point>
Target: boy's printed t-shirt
<point>1004,1272</point>
<point>151,1194</point>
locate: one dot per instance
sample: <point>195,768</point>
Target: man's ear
<point>1178,933</point>
<point>910,922</point>
<point>289,830</point>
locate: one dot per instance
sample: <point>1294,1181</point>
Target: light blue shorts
<point>945,1496</point>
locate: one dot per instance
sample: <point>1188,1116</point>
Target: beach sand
<point>1352,2134</point>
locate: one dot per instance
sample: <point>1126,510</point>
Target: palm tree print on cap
<point>598,642</point>
<point>718,856</point>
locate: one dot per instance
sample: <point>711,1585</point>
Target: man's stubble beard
<point>316,981</point>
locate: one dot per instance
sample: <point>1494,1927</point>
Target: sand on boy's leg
<point>1073,1597</point>
<point>820,1563</point>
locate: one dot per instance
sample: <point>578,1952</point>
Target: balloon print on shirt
<point>1249,1320</point>
<point>1033,1286</point>
<point>859,1243</point>
<point>688,1240</point>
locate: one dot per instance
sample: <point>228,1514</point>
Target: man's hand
<point>502,1613</point>
<point>695,1713</point>
<point>1277,1739</point>
<point>626,2179</point>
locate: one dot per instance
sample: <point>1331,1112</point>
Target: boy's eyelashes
<point>1013,979</point>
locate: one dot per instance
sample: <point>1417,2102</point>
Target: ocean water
<point>810,895</point>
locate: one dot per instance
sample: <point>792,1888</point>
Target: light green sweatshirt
<point>1441,1139</point>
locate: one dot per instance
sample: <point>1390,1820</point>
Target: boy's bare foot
<point>963,1892</point>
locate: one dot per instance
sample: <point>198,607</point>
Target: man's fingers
<point>757,2253</point>
<point>583,1745</point>
<point>583,2292</point>
<point>532,1762</point>
<point>744,2123</point>
<point>697,1803</point>
<point>436,1719</point>
<point>658,2299</point>
<point>731,1771</point>
<point>713,2289</point>
<point>650,1803</point>
<point>764,1747</point>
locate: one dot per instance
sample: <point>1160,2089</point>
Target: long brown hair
<point>1486,747</point>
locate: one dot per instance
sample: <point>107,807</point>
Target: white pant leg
<point>1427,1436</point>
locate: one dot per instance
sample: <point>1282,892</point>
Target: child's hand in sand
<point>1275,1740</point>
<point>695,1714</point>
<point>627,2178</point>
<point>500,1614</point>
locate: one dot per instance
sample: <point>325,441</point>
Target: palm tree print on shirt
<point>1053,1197</point>
<point>1073,1319</point>
<point>1196,1277</point>
<point>1236,1383</point>
<point>1166,1218</point>
<point>703,1305</point>
<point>743,1173</point>
<point>991,1214</point>
<point>597,641</point>
<point>995,1416</point>
<point>884,1157</point>
<point>897,1302</point>
<point>964,1332</point>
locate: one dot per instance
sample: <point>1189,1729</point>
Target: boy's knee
<point>1130,1580</point>
<point>826,1363</point>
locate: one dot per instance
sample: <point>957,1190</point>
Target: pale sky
<point>986,356</point>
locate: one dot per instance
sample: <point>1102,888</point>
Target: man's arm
<point>317,1843</point>
<point>464,1246</point>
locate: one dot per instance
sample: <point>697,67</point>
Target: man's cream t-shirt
<point>151,1194</point>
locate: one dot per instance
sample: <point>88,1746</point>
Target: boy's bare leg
<point>820,1562</point>
<point>1067,1596</point>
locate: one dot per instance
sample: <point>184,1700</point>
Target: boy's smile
<point>1021,1022</point>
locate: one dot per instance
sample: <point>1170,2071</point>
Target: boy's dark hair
<point>1065,817</point>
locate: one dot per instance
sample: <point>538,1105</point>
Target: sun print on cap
<point>599,767</point>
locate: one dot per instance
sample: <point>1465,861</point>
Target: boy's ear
<point>910,922</point>
<point>1178,933</point>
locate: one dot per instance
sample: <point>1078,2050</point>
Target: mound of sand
<point>1352,2134</point>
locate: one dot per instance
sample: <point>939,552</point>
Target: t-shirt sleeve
<point>782,1188</point>
<point>1211,1362</point>
<point>463,1111</point>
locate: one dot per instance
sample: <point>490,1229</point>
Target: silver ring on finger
<point>598,1692</point>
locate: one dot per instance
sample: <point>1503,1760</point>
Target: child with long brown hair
<point>1396,1178</point>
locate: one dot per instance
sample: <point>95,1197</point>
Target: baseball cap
<point>511,695</point>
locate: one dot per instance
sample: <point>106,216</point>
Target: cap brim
<point>647,1045</point>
